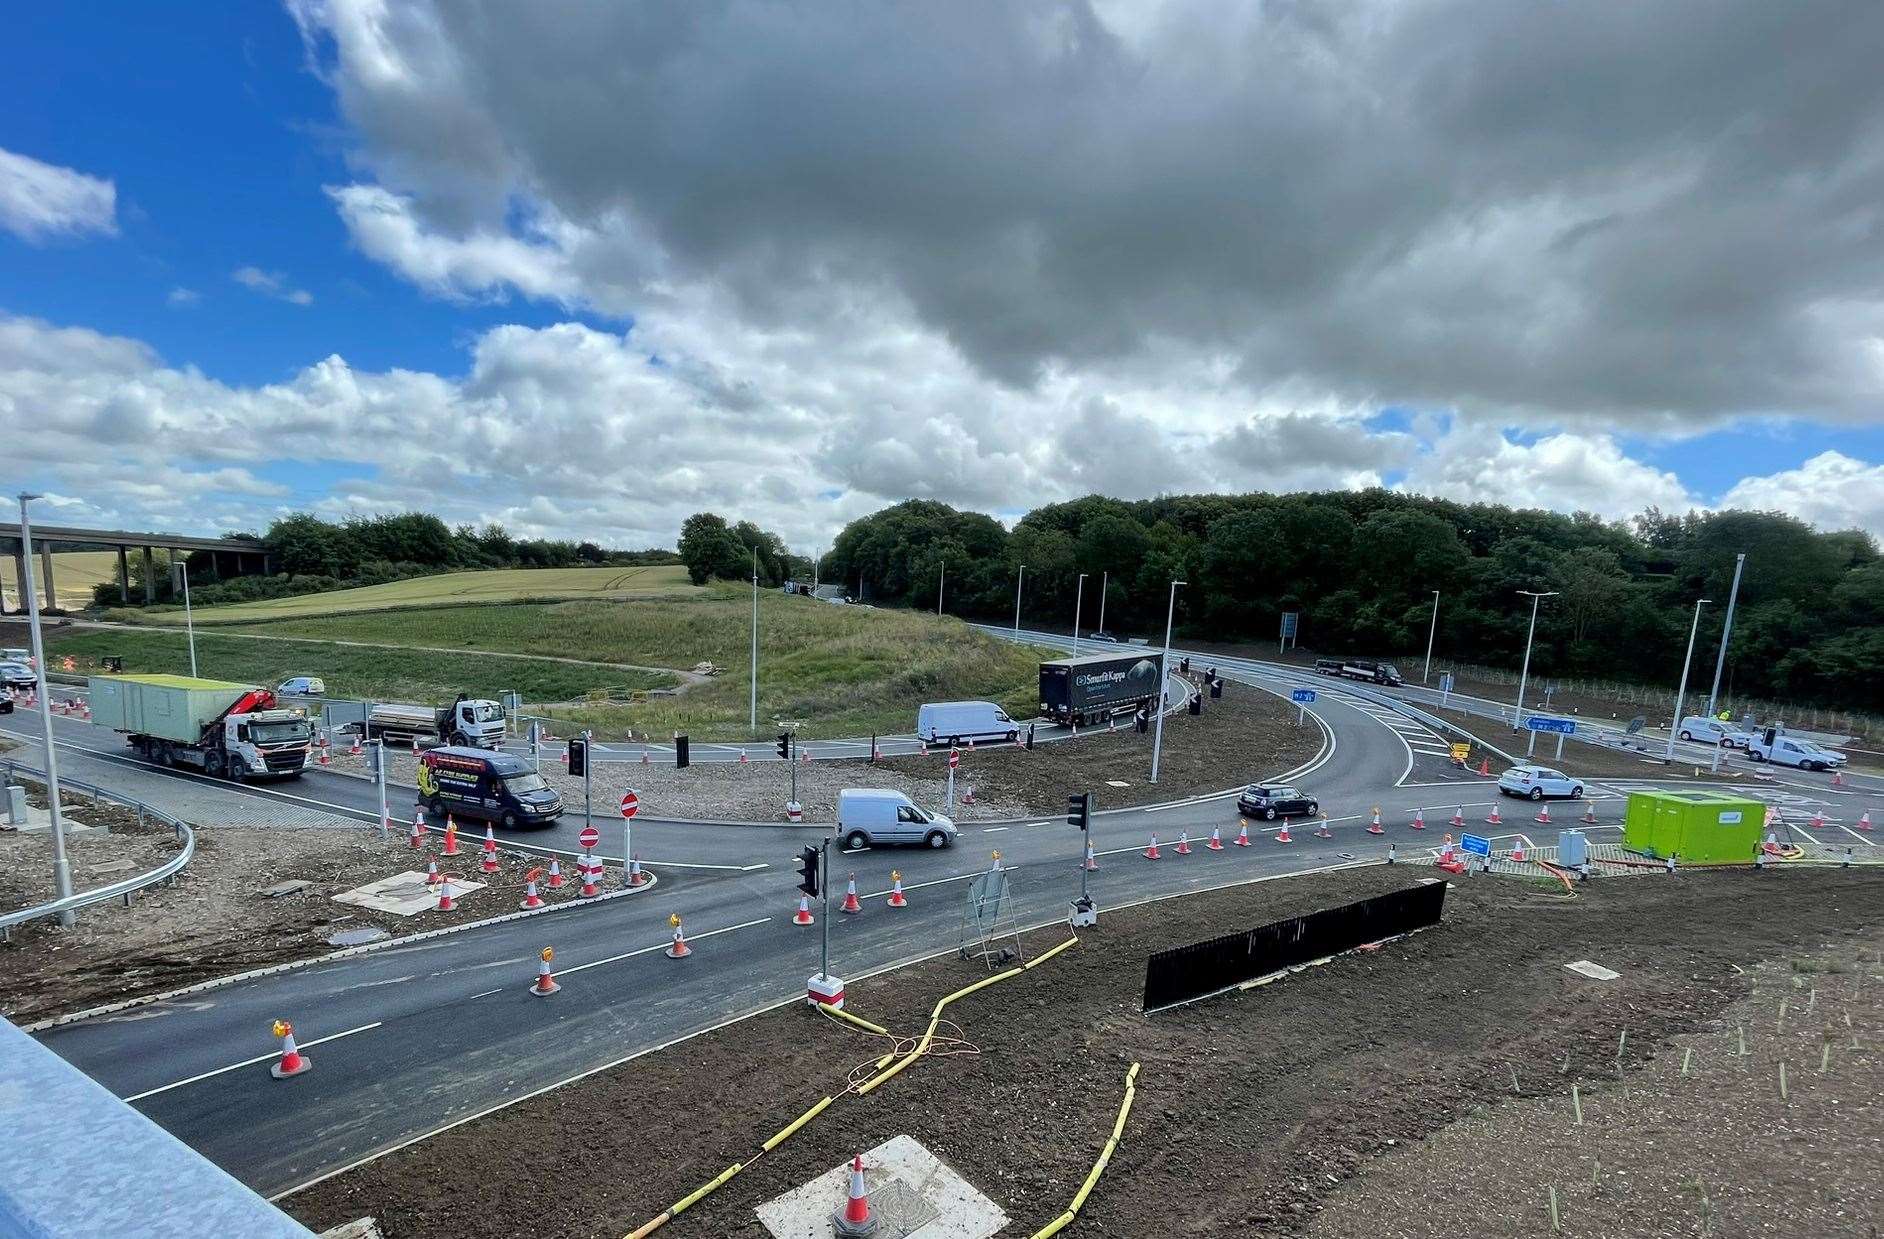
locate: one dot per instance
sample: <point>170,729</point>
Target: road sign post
<point>1445,688</point>
<point>588,798</point>
<point>1291,620</point>
<point>1561,726</point>
<point>630,805</point>
<point>1301,697</point>
<point>1477,845</point>
<point>588,838</point>
<point>955,758</point>
<point>379,779</point>
<point>536,747</point>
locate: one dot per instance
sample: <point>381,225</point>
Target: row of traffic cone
<point>853,903</point>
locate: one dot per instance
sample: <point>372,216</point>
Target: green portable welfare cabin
<point>1697,827</point>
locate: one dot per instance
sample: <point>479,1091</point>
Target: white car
<point>17,675</point>
<point>1788,751</point>
<point>1711,731</point>
<point>1539,782</point>
<point>16,654</point>
<point>302,686</point>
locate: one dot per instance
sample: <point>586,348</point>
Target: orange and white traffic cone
<point>445,902</point>
<point>431,873</point>
<point>855,1221</point>
<point>417,838</point>
<point>635,876</point>
<point>489,862</point>
<point>968,796</point>
<point>1091,859</point>
<point>1321,828</point>
<point>530,898</point>
<point>324,759</point>
<point>353,749</point>
<point>451,837</point>
<point>850,903</point>
<point>590,872</point>
<point>1838,778</point>
<point>1817,820</point>
<point>743,760</point>
<point>897,898</point>
<point>804,757</point>
<point>803,915</point>
<point>545,980</point>
<point>680,949</point>
<point>1543,815</point>
<point>1864,823</point>
<point>1484,767</point>
<point>1445,851</point>
<point>1374,827</point>
<point>1242,835</point>
<point>1589,813</point>
<point>1151,853</point>
<point>292,1062</point>
<point>1517,851</point>
<point>555,882</point>
<point>1216,840</point>
<point>1458,818</point>
<point>644,757</point>
<point>1419,820</point>
<point>1283,835</point>
<point>1184,843</point>
<point>1494,819</point>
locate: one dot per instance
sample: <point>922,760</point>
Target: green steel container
<point>170,707</point>
<point>1698,827</point>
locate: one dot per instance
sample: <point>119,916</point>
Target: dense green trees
<point>714,550</point>
<point>1361,567</point>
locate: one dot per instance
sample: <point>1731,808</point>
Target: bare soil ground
<point>1260,1110</point>
<point>213,921</point>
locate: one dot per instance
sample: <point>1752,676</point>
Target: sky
<point>585,269</point>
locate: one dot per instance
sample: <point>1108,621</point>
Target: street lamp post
<point>189,620</point>
<point>1517,719</point>
<point>1018,578</point>
<point>1079,597</point>
<point>1105,582</point>
<point>753,708</point>
<point>61,867</point>
<point>1164,671</point>
<point>1674,727</point>
<point>1727,630</point>
<point>942,583</point>
<point>1431,632</point>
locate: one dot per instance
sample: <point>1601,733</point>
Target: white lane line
<point>992,830</point>
<point>249,1062</point>
<point>659,946</point>
<point>486,994</point>
<point>1854,834</point>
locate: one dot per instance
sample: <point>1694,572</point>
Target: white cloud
<point>42,201</point>
<point>181,296</point>
<point>271,284</point>
<point>1831,491</point>
<point>1564,472</point>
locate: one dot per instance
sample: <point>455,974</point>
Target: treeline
<point>311,556</point>
<point>1360,568</point>
<point>716,551</point>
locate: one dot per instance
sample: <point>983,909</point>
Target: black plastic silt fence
<point>1187,972</point>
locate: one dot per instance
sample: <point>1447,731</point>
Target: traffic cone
<point>1543,815</point>
<point>324,759</point>
<point>353,749</point>
<point>1838,778</point>
<point>1484,766</point>
<point>968,796</point>
<point>1216,841</point>
<point>1242,835</point>
<point>417,838</point>
<point>1864,823</point>
<point>971,744</point>
<point>1589,813</point>
<point>1283,835</point>
<point>803,915</point>
<point>292,1062</point>
<point>855,1221</point>
<point>680,949</point>
<point>1817,821</point>
<point>743,760</point>
<point>1445,851</point>
<point>850,903</point>
<point>1321,828</point>
<point>530,898</point>
<point>1494,819</point>
<point>876,753</point>
<point>590,872</point>
<point>644,757</point>
<point>1458,818</point>
<point>897,898</point>
<point>555,882</point>
<point>451,837</point>
<point>1419,820</point>
<point>635,876</point>
<point>1151,853</point>
<point>804,757</point>
<point>431,873</point>
<point>1374,827</point>
<point>565,759</point>
<point>545,982</point>
<point>1517,852</point>
<point>1092,861</point>
<point>489,863</point>
<point>445,903</point>
<point>1184,843</point>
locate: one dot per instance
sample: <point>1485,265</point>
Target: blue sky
<point>750,327</point>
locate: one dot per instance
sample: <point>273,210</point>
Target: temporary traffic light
<point>578,756</point>
<point>1079,810</point>
<point>808,871</point>
<point>785,745</point>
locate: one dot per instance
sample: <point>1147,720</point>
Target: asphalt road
<point>428,1033</point>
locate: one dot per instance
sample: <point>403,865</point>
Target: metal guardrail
<point>125,887</point>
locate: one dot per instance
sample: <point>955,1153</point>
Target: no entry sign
<point>955,759</point>
<point>630,804</point>
<point>589,837</point>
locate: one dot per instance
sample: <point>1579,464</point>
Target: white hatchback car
<point>302,686</point>
<point>1538,782</point>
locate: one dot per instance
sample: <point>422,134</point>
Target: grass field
<point>350,671</point>
<point>449,589</point>
<point>843,670</point>
<point>74,572</point>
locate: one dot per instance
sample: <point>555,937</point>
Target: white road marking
<point>659,946</point>
<point>249,1062</point>
<point>992,830</point>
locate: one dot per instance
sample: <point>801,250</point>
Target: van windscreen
<point>527,782</point>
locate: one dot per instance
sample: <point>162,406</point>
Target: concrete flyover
<point>228,556</point>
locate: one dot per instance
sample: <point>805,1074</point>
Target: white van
<point>1709,730</point>
<point>1786,751</point>
<point>868,816</point>
<point>302,686</point>
<point>955,721</point>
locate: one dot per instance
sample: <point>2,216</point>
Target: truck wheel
<point>856,839</point>
<point>213,764</point>
<point>936,839</point>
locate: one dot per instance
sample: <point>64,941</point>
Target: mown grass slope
<point>74,572</point>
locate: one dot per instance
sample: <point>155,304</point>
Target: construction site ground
<point>1372,1095</point>
<point>1590,761</point>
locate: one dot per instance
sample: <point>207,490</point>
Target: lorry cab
<point>468,722</point>
<point>498,787</point>
<point>870,816</point>
<point>955,721</point>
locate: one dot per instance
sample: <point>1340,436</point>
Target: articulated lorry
<point>234,731</point>
<point>466,722</point>
<point>1099,686</point>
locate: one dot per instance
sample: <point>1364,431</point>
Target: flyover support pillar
<point>150,579</point>
<point>45,569</point>
<point>124,577</point>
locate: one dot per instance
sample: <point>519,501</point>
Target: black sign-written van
<point>499,787</point>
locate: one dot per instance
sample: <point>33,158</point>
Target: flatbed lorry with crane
<point>226,730</point>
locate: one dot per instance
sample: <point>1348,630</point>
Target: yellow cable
<point>1060,1223</point>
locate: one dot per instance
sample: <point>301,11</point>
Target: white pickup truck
<point>1784,750</point>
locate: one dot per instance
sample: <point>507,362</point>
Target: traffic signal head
<point>808,871</point>
<point>578,756</point>
<point>785,745</point>
<point>1079,810</point>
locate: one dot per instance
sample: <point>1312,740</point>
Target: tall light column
<point>1674,726</point>
<point>1517,719</point>
<point>61,867</point>
<point>1079,597</point>
<point>1018,578</point>
<point>1431,632</point>
<point>1164,671</point>
<point>1105,582</point>
<point>753,708</point>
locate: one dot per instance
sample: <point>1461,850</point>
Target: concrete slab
<point>1596,972</point>
<point>404,894</point>
<point>39,821</point>
<point>913,1194</point>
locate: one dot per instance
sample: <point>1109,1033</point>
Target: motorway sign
<point>589,837</point>
<point>1477,845</point>
<point>1562,726</point>
<point>1303,695</point>
<point>1445,681</point>
<point>630,804</point>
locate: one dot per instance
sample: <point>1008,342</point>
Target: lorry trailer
<point>235,731</point>
<point>466,722</point>
<point>1097,687</point>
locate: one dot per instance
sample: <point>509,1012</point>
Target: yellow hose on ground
<point>692,1198</point>
<point>1060,1223</point>
<point>785,1133</point>
<point>859,1021</point>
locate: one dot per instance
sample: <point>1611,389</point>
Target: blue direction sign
<point>1302,695</point>
<point>1563,726</point>
<point>1445,682</point>
<point>1477,845</point>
